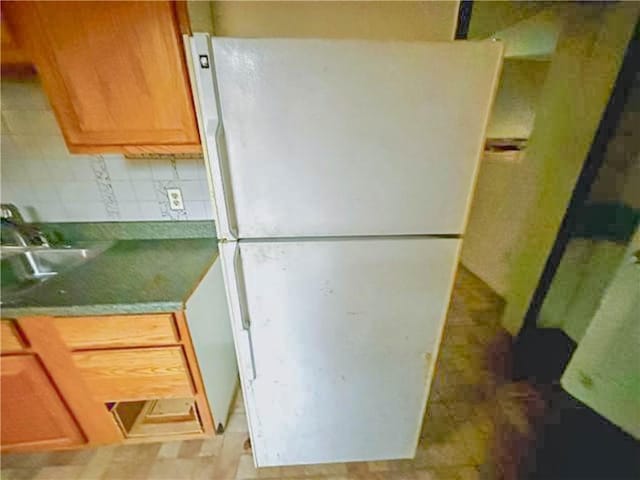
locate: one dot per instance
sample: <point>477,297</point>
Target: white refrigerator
<point>342,174</point>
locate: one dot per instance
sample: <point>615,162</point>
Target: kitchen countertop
<point>132,276</point>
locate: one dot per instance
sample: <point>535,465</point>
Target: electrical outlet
<point>175,199</point>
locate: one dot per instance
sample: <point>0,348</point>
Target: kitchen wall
<point>48,184</point>
<point>491,238</point>
<point>514,109</point>
<point>518,206</point>
<point>581,75</point>
<point>425,20</point>
<point>608,216</point>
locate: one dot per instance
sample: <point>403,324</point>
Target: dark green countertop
<point>132,276</point>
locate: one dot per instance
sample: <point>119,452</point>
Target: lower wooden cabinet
<point>85,381</point>
<point>32,412</point>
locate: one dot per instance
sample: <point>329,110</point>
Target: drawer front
<point>10,340</point>
<point>117,330</point>
<point>135,374</point>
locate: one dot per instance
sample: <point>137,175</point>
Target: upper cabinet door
<point>114,72</point>
<point>344,137</point>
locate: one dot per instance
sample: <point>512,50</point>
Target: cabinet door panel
<point>114,72</point>
<point>33,414</point>
<point>9,339</point>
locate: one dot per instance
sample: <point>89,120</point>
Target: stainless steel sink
<point>24,267</point>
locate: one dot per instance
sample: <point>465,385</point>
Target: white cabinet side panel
<point>210,327</point>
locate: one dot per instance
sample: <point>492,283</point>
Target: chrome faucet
<point>23,234</point>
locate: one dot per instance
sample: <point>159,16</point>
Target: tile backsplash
<point>47,183</point>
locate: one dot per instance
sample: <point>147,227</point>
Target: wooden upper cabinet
<point>115,73</point>
<point>33,414</point>
<point>12,54</point>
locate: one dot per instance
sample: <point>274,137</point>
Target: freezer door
<point>337,344</point>
<point>346,137</point>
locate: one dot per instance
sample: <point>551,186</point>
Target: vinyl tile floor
<point>466,420</point>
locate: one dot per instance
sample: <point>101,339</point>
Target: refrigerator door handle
<point>237,266</point>
<point>244,308</point>
<point>210,119</point>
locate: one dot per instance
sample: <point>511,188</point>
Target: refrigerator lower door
<point>337,342</point>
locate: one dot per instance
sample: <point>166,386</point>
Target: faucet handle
<point>9,211</point>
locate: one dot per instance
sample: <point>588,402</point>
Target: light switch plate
<point>175,199</point>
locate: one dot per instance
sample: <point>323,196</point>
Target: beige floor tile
<point>326,469</point>
<point>173,469</point>
<point>230,453</point>
<point>270,472</point>
<point>238,404</point>
<point>446,455</point>
<point>358,468</point>
<point>237,423</point>
<point>25,460</point>
<point>469,473</point>
<point>18,473</point>
<point>382,466</point>
<point>71,457</point>
<point>130,471</point>
<point>98,464</point>
<point>170,450</point>
<point>211,446</point>
<point>59,472</point>
<point>425,475</point>
<point>204,468</point>
<point>292,471</point>
<point>190,448</point>
<point>246,469</point>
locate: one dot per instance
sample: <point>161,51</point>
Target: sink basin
<point>25,267</point>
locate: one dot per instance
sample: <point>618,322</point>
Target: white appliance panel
<point>339,343</point>
<point>346,137</point>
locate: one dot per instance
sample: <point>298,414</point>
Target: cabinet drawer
<point>135,374</point>
<point>10,340</point>
<point>117,330</point>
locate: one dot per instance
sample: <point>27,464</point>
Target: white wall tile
<point>192,190</point>
<point>123,190</point>
<point>21,94</point>
<point>117,167</point>
<point>130,211</point>
<point>144,190</point>
<point>4,128</point>
<point>78,192</point>
<point>190,169</point>
<point>27,147</point>
<point>37,170</point>
<point>48,183</point>
<point>61,169</point>
<point>139,169</point>
<point>52,146</point>
<point>14,171</point>
<point>41,122</point>
<point>79,211</point>
<point>50,212</point>
<point>83,168</point>
<point>44,192</point>
<point>150,210</point>
<point>196,210</point>
<point>162,170</point>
